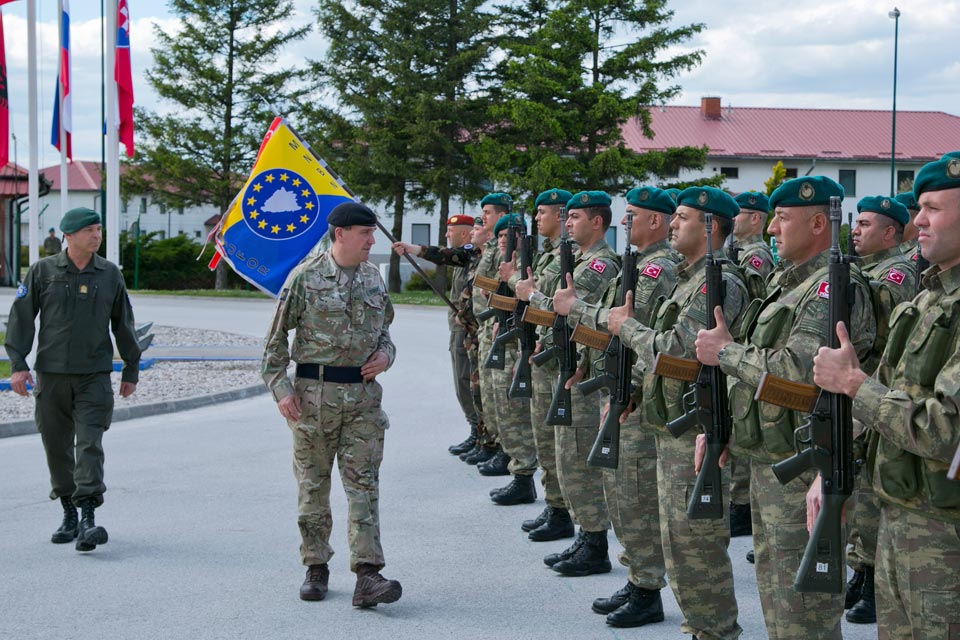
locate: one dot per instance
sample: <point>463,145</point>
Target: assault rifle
<point>706,401</point>
<point>824,441</point>
<point>615,364</point>
<point>498,351</point>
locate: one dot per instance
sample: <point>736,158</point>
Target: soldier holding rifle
<point>911,403</point>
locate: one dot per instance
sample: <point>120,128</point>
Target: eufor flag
<point>63,82</point>
<point>281,212</point>
<point>123,76</point>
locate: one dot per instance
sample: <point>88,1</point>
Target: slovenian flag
<point>123,75</point>
<point>63,82</point>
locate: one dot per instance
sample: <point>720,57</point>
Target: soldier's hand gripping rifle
<point>522,384</point>
<point>615,366</point>
<point>706,402</point>
<point>824,442</point>
<point>498,351</point>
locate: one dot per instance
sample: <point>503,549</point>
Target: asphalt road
<point>201,510</point>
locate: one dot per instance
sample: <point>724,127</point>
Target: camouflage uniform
<point>784,333</point>
<point>581,484</point>
<point>893,278</point>
<point>489,262</point>
<point>911,405</point>
<point>631,488</point>
<point>337,324</point>
<point>695,551</point>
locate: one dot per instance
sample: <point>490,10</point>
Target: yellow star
<point>308,206</point>
<point>257,187</point>
<point>275,229</point>
<point>251,201</point>
<point>296,182</point>
<point>253,215</point>
<point>305,193</point>
<point>283,177</point>
<point>290,228</point>
<point>304,219</point>
<point>269,178</point>
<point>262,224</point>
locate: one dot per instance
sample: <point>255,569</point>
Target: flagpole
<point>33,176</point>
<point>61,121</point>
<point>113,141</point>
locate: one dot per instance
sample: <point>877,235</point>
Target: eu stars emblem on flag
<point>279,204</point>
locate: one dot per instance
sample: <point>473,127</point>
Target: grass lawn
<point>4,364</point>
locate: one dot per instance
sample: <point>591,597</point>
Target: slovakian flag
<point>123,75</point>
<point>4,102</point>
<point>63,84</point>
<point>280,213</point>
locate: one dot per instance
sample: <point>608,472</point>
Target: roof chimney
<point>710,108</point>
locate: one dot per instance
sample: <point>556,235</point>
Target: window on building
<point>180,210</point>
<point>848,180</point>
<point>730,172</point>
<point>162,235</point>
<point>123,206</point>
<point>791,173</point>
<point>904,181</point>
<point>163,208</point>
<point>420,234</point>
<point>611,236</point>
<point>143,205</point>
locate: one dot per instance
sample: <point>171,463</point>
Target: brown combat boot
<point>314,586</point>
<point>373,589</point>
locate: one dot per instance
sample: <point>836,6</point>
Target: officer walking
<point>79,296</point>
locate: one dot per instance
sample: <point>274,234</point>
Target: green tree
<point>776,179</point>
<point>219,76</point>
<point>572,74</point>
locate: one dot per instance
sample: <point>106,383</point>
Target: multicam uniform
<point>695,551</point>
<point>631,488</point>
<point>339,320</point>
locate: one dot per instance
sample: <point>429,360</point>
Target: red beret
<point>459,219</point>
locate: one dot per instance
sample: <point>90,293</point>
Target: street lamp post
<point>136,257</point>
<point>895,14</point>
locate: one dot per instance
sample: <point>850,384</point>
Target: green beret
<point>78,218</point>
<point>673,192</point>
<point>512,219</point>
<point>805,192</point>
<point>587,199</point>
<point>652,198</point>
<point>709,200</point>
<point>883,205</point>
<point>499,199</point>
<point>349,214</point>
<point>939,175</point>
<point>754,201</point>
<point>553,196</point>
<point>908,200</point>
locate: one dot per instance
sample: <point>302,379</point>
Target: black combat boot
<point>854,588</point>
<point>373,589</point>
<point>865,610</point>
<point>466,445</point>
<point>314,586</point>
<point>741,523</point>
<point>498,465</point>
<point>89,534</point>
<point>643,607</point>
<point>559,525</point>
<point>530,525</point>
<point>477,446</point>
<point>521,490</point>
<point>482,454</point>
<point>618,599</point>
<point>590,558</point>
<point>68,528</point>
<point>554,558</point>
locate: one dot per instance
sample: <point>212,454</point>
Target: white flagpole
<point>113,140</point>
<point>64,186</point>
<point>33,184</point>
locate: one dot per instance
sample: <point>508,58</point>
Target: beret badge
<point>644,195</point>
<point>807,192</point>
<point>584,198</point>
<point>953,168</point>
<point>752,200</point>
<point>554,196</point>
<point>885,203</point>
<point>702,198</point>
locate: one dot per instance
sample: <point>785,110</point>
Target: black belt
<point>345,375</point>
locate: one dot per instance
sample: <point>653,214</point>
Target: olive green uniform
<point>74,359</point>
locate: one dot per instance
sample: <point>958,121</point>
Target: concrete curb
<point>24,427</point>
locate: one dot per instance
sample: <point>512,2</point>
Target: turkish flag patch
<point>652,270</point>
<point>756,262</point>
<point>598,265</point>
<point>824,289</point>
<point>896,276</point>
<point>703,289</point>
<point>914,257</point>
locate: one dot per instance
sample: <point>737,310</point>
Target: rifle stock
<point>539,317</point>
<point>708,488</point>
<point>502,303</point>
<point>487,284</point>
<point>599,340</point>
<point>605,452</point>
<point>819,571</point>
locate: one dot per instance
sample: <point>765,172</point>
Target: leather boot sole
<point>92,537</point>
<point>391,593</point>
<point>629,623</point>
<point>579,571</point>
<point>63,537</point>
<point>312,595</point>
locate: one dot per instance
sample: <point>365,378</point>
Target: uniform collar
<point>597,248</point>
<point>948,280</point>
<point>797,273</point>
<point>880,256</point>
<point>688,271</point>
<point>64,262</point>
<point>549,246</point>
<point>661,246</point>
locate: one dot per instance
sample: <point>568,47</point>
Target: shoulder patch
<point>914,257</point>
<point>703,289</point>
<point>598,265</point>
<point>652,270</point>
<point>468,246</point>
<point>22,291</point>
<point>896,276</point>
<point>823,289</point>
<point>756,262</point>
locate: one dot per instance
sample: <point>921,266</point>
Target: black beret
<point>349,214</point>
<point>78,218</point>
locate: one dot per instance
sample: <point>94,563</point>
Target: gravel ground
<point>169,380</point>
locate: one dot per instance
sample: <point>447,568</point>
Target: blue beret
<point>78,218</point>
<point>553,196</point>
<point>908,200</point>
<point>709,200</point>
<point>754,201</point>
<point>805,192</point>
<point>587,199</point>
<point>349,214</point>
<point>513,219</point>
<point>939,175</point>
<point>652,198</point>
<point>499,199</point>
<point>883,205</point>
<point>673,192</point>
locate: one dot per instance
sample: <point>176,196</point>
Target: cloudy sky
<point>818,54</point>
